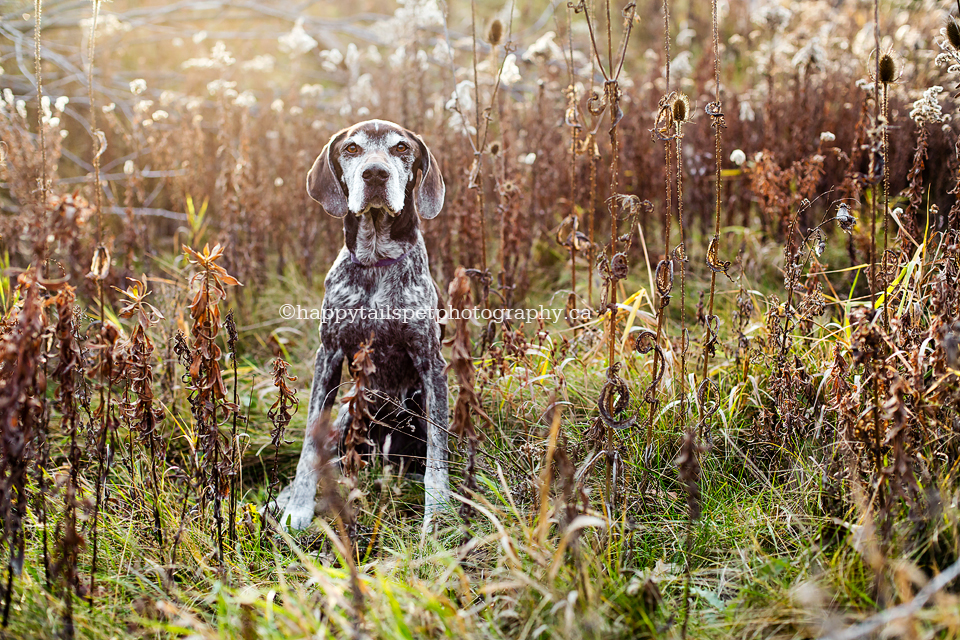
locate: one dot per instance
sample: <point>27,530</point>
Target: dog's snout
<point>375,174</point>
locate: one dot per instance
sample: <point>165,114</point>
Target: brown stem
<point>718,125</point>
<point>683,270</point>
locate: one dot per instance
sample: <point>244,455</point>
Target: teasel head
<point>888,69</point>
<point>495,33</point>
<point>953,33</point>
<point>681,108</point>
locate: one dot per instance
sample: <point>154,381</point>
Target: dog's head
<point>376,165</point>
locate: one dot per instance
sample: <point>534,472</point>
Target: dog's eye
<point>401,147</point>
<point>352,148</point>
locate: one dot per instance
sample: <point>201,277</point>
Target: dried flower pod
<point>844,218</point>
<point>680,107</point>
<point>713,328</point>
<point>596,103</point>
<point>888,69</point>
<point>663,122</point>
<point>646,342</point>
<point>953,33</point>
<point>495,33</point>
<point>714,110</point>
<point>568,234</point>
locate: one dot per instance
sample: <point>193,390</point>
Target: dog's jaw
<point>374,241</point>
<point>377,204</point>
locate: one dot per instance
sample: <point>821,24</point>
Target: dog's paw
<point>296,519</point>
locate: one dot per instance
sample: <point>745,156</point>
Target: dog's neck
<point>376,235</point>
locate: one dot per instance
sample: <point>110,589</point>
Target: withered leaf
<point>713,260</point>
<point>819,243</point>
<point>609,408</point>
<point>664,280</point>
<point>100,264</point>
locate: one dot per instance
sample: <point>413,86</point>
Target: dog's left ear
<point>323,184</point>
<point>429,190</point>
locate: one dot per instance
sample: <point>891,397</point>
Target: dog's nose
<point>375,174</point>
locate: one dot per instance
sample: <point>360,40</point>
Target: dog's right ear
<point>323,185</point>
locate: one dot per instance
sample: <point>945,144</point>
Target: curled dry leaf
<point>596,104</point>
<point>664,281</point>
<point>646,342</point>
<point>569,235</point>
<point>101,142</point>
<point>708,385</point>
<point>615,387</point>
<point>619,266</point>
<point>100,264</point>
<point>713,259</point>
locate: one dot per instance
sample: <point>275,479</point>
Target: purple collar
<point>386,262</point>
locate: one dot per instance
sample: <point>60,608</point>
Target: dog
<point>380,179</point>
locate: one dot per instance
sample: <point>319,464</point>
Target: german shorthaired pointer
<point>380,178</point>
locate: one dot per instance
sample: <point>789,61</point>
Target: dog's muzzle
<point>375,188</point>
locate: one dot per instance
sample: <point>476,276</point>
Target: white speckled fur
<point>374,242</point>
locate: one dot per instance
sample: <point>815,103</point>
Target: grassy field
<point>752,431</point>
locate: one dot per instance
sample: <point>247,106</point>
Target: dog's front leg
<point>298,512</point>
<point>436,483</point>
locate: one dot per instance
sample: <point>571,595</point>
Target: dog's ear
<point>429,189</point>
<point>323,184</point>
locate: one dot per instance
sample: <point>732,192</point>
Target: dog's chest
<point>380,293</point>
<point>396,304</point>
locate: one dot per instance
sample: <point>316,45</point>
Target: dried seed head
<point>953,33</point>
<point>888,69</point>
<point>494,148</point>
<point>844,218</point>
<point>681,108</point>
<point>495,33</point>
